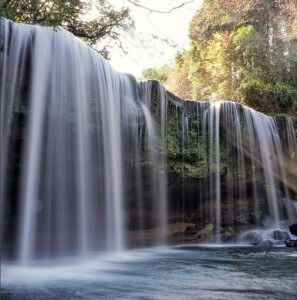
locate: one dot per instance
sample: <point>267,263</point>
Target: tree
<point>139,4</point>
<point>159,74</point>
<point>178,81</point>
<point>77,16</point>
<point>244,50</point>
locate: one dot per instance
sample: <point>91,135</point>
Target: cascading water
<point>245,152</point>
<point>213,121</point>
<point>157,156</point>
<point>81,127</point>
<point>89,157</point>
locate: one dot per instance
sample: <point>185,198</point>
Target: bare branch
<point>152,10</point>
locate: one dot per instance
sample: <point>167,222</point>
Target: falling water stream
<point>93,153</point>
<point>74,159</point>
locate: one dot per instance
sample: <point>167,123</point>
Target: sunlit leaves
<point>245,50</point>
<point>77,16</point>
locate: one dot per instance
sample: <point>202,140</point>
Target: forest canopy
<point>73,15</point>
<point>241,50</point>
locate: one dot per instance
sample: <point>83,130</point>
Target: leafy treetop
<point>77,16</point>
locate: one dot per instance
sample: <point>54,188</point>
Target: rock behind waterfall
<point>280,235</point>
<point>291,243</point>
<point>293,229</point>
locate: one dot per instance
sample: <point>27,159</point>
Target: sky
<point>146,45</point>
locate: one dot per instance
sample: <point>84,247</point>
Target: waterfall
<point>81,125</point>
<point>245,150</point>
<point>157,157</point>
<point>213,121</point>
<point>93,161</point>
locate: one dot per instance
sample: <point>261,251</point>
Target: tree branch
<point>152,10</point>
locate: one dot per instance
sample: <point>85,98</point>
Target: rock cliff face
<point>240,185</point>
<point>228,168</point>
<point>190,194</point>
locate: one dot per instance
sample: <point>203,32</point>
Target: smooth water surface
<point>188,272</point>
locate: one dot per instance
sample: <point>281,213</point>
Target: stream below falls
<point>189,272</point>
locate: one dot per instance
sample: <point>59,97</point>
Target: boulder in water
<point>205,233</point>
<point>291,243</point>
<point>252,237</point>
<point>227,234</point>
<point>280,235</point>
<point>265,244</point>
<point>293,229</point>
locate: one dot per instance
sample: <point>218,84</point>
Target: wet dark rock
<point>293,229</point>
<point>280,235</point>
<point>191,229</point>
<point>206,233</point>
<point>253,238</point>
<point>228,234</point>
<point>291,243</point>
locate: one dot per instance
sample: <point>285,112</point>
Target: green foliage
<point>187,156</point>
<point>244,36</point>
<point>279,96</point>
<point>286,93</point>
<point>77,16</point>
<point>159,74</point>
<point>244,50</point>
